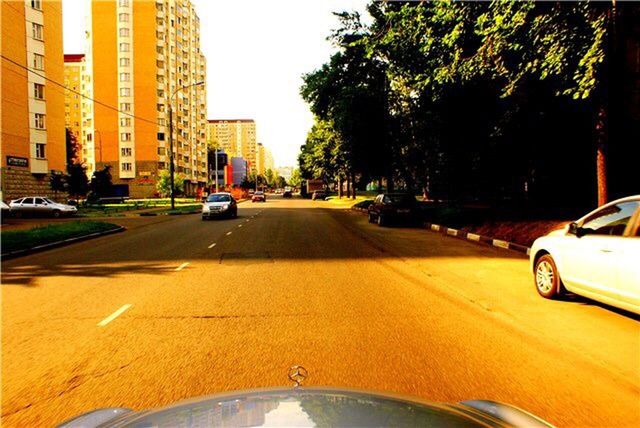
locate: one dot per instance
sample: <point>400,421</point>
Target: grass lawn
<point>24,239</point>
<point>181,209</point>
<point>347,202</point>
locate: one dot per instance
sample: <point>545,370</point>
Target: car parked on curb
<point>319,195</point>
<point>389,208</point>
<point>5,210</point>
<point>219,205</point>
<point>287,194</point>
<point>597,256</point>
<point>40,206</point>
<point>259,197</point>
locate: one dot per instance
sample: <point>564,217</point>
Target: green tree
<point>101,184</point>
<point>270,177</point>
<point>77,183</point>
<point>280,182</point>
<point>296,178</point>
<point>163,185</point>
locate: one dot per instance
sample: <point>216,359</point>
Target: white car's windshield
<point>219,198</point>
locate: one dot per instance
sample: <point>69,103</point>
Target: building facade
<point>75,104</point>
<point>237,137</point>
<point>32,114</point>
<point>144,57</point>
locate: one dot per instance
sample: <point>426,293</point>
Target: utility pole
<point>216,149</point>
<point>171,165</point>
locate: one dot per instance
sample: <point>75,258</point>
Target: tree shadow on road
<point>26,275</point>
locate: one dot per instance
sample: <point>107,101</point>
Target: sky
<point>257,52</point>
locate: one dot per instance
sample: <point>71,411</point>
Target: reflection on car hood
<point>311,407</point>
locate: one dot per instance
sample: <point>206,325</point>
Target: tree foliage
<point>467,100</point>
<point>163,185</point>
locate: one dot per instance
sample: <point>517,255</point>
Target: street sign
<point>17,161</point>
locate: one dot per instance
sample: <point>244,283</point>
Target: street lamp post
<point>171,165</point>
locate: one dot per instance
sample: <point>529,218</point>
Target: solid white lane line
<point>114,315</point>
<point>212,245</point>
<point>182,266</point>
<point>229,233</point>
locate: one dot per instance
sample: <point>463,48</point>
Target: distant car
<point>387,208</point>
<point>40,206</point>
<point>259,197</point>
<point>287,194</point>
<point>597,256</point>
<point>319,194</point>
<point>219,205</point>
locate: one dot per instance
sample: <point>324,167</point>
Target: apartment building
<point>144,57</point>
<point>264,159</point>
<point>32,113</point>
<point>237,137</point>
<point>75,104</point>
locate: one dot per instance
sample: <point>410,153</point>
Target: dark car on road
<point>390,208</point>
<point>219,205</point>
<point>287,194</point>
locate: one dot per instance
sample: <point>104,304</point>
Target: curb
<point>499,243</point>
<point>52,245</point>
<point>478,238</point>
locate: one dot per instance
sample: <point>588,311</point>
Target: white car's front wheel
<point>547,278</point>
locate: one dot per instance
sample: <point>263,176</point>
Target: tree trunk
<point>353,186</point>
<point>601,155</point>
<point>339,187</point>
<point>348,179</point>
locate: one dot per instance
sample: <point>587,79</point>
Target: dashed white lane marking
<point>239,225</point>
<point>212,245</point>
<point>182,266</point>
<point>229,233</point>
<point>114,315</point>
<point>247,221</point>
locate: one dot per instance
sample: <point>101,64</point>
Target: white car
<point>597,256</point>
<point>40,206</point>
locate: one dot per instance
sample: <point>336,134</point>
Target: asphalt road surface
<point>182,308</point>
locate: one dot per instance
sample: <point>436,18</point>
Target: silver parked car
<point>40,206</point>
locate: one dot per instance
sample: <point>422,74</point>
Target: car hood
<point>217,204</point>
<point>311,407</point>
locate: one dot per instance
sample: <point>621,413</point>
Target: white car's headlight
<point>205,208</point>
<point>225,207</point>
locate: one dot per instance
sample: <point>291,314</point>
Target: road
<point>183,308</point>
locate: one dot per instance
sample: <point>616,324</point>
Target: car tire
<point>547,278</point>
<point>381,220</point>
<point>55,213</point>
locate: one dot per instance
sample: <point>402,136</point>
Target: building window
<point>123,3</point>
<point>125,151</point>
<point>125,121</point>
<point>36,4</point>
<point>161,165</point>
<point>125,136</point>
<point>160,64</point>
<point>125,62</point>
<point>124,32</point>
<point>125,92</point>
<point>123,17</point>
<point>160,136</point>
<point>39,121</point>
<point>159,78</point>
<point>161,121</point>
<point>40,151</point>
<point>160,107</point>
<point>38,62</point>
<point>126,166</point>
<point>38,31</point>
<point>38,91</point>
<point>160,93</point>
<point>161,151</point>
<point>124,47</point>
<point>125,77</point>
<point>125,106</point>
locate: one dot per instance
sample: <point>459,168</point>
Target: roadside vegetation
<point>24,239</point>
